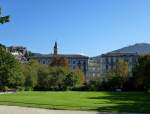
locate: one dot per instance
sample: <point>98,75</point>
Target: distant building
<point>109,60</point>
<point>94,68</point>
<point>19,52</point>
<point>74,60</point>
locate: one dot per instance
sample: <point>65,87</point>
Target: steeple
<point>55,49</point>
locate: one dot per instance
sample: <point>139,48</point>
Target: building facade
<point>74,60</point>
<point>94,68</point>
<point>109,60</point>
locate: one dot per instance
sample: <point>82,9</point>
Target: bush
<point>3,88</point>
<point>94,85</point>
<point>20,88</point>
<point>57,78</point>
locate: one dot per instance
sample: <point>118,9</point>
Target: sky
<point>90,27</point>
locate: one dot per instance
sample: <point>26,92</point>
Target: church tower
<point>55,49</point>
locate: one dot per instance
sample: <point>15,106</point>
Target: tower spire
<point>55,49</point>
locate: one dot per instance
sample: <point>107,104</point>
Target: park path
<point>23,110</point>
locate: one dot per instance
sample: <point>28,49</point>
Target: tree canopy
<point>10,72</point>
<point>4,19</point>
<point>141,72</point>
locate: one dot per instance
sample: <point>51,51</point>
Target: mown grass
<point>95,101</point>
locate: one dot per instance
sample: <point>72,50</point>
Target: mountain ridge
<point>139,48</point>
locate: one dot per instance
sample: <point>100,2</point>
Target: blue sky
<point>91,27</point>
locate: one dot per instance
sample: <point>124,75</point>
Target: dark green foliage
<point>30,73</point>
<point>43,82</point>
<point>94,85</point>
<point>114,83</point>
<point>4,19</point>
<point>69,80</point>
<point>57,78</point>
<point>10,72</point>
<point>141,73</point>
<point>2,46</point>
<point>116,77</point>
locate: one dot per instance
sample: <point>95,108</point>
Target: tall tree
<point>122,70</point>
<point>30,71</point>
<point>119,75</point>
<point>10,72</point>
<point>141,72</point>
<point>2,46</point>
<point>59,62</point>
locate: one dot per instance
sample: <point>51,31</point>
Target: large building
<point>94,68</point>
<point>74,60</point>
<point>109,60</point>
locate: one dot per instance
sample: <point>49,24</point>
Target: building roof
<point>38,55</point>
<point>17,47</point>
<point>119,54</point>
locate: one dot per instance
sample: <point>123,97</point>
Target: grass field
<point>96,101</point>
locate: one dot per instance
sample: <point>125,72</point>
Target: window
<point>74,62</point>
<point>93,74</point>
<point>93,68</point>
<point>109,60</point>
<point>114,59</point>
<point>106,67</point>
<point>69,61</point>
<point>44,62</point>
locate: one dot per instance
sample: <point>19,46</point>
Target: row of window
<point>93,74</point>
<point>74,66</point>
<point>94,68</point>
<point>115,59</point>
<point>74,62</point>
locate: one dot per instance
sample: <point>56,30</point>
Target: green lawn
<point>96,101</point>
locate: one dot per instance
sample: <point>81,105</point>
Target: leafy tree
<point>57,78</point>
<point>121,69</point>
<point>10,72</point>
<point>30,73</point>
<point>43,81</point>
<point>69,80</point>
<point>4,19</point>
<point>58,75</point>
<point>2,46</point>
<point>79,75</point>
<point>94,84</point>
<point>73,79</point>
<point>59,62</point>
<point>118,76</point>
<point>141,73</point>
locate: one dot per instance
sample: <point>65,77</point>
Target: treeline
<point>34,76</point>
<point>57,76</point>
<point>43,77</point>
<point>123,79</point>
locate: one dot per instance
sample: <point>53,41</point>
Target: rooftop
<point>38,55</point>
<point>120,54</point>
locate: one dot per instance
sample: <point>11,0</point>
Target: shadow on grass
<point>124,102</point>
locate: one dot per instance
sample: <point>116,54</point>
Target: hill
<point>140,48</point>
